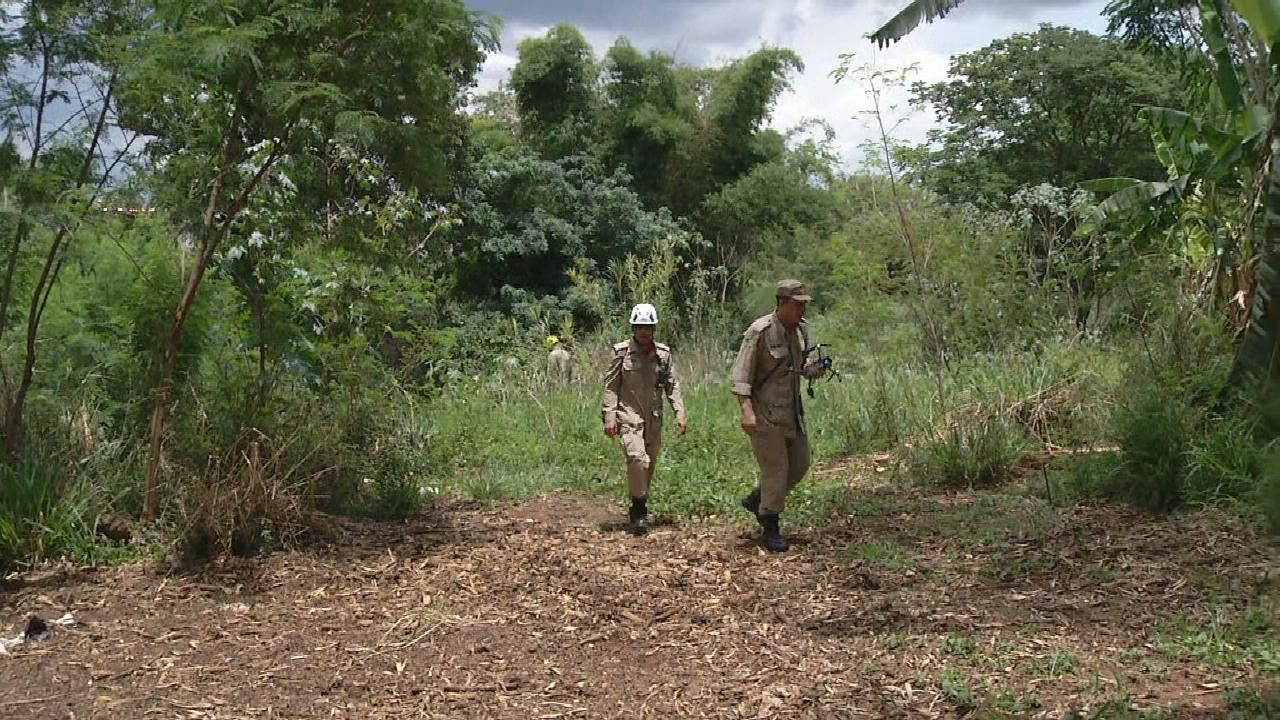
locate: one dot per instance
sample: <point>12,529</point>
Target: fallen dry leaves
<point>535,612</point>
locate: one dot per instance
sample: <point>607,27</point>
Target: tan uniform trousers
<point>783,462</point>
<point>641,444</point>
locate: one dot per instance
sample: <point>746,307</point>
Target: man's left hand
<point>682,425</point>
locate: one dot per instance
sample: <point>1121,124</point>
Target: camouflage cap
<point>793,289</point>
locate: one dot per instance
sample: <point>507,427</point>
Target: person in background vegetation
<point>766,378</point>
<point>640,372</point>
<point>559,362</point>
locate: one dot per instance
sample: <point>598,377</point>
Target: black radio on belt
<point>663,376</point>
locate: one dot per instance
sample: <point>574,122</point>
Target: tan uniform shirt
<point>768,371</point>
<point>630,385</point>
<point>560,364</point>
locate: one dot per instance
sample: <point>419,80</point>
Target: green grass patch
<point>1229,638</point>
<point>46,517</point>
<point>990,519</point>
<point>883,553</point>
<point>959,646</point>
<point>957,688</point>
<point>507,447</point>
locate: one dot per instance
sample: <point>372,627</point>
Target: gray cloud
<point>684,26</point>
<point>686,29</point>
<point>708,32</point>
<point>654,17</point>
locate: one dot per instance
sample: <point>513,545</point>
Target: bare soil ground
<point>913,605</point>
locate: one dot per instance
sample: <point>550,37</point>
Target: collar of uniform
<point>636,348</point>
<point>777,322</point>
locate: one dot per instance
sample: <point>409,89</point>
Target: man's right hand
<point>611,427</point>
<point>748,421</point>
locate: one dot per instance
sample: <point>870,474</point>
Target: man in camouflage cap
<point>766,378</point>
<point>639,374</point>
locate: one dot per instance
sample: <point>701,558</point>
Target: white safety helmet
<point>644,314</point>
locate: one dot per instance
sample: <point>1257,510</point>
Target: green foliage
<point>763,211</point>
<point>50,52</point>
<point>1228,637</point>
<point>542,232</point>
<point>909,18</point>
<point>956,688</point>
<point>647,117</point>
<point>739,103</point>
<point>1153,434</point>
<point>44,517</point>
<point>886,554</point>
<point>1258,361</point>
<point>554,83</point>
<point>1269,491</point>
<point>687,141</point>
<point>290,73</point>
<point>979,450</point>
<point>1175,453</point>
<point>1055,105</point>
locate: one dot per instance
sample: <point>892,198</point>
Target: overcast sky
<point>704,32</point>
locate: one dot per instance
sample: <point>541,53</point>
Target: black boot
<point>770,537</point>
<point>638,516</point>
<point>752,502</point>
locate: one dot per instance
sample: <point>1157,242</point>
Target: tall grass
<point>45,516</point>
<point>510,435</point>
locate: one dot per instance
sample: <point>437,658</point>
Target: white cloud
<point>820,31</point>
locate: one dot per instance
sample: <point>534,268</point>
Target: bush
<point>1224,462</point>
<point>250,500</point>
<point>1154,434</point>
<point>44,518</point>
<point>1175,452</point>
<point>977,452</point>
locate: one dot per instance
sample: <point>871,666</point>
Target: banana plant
<point>1258,358</point>
<point>1247,139</point>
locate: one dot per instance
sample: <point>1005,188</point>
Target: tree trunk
<point>156,426</point>
<point>1257,361</point>
<point>213,231</point>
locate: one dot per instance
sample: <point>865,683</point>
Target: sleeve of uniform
<point>612,380</point>
<point>675,393</point>
<point>744,368</point>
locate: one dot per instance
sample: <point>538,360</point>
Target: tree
<point>1057,105</point>
<point>636,124</point>
<point>1254,131</point>
<point>530,222</point>
<point>767,208</point>
<point>647,117</point>
<point>495,120</point>
<point>739,103</point>
<point>555,85</point>
<point>53,171</point>
<point>231,89</point>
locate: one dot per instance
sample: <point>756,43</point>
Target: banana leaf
<point>909,17</point>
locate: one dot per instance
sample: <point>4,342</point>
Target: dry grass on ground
<point>912,605</point>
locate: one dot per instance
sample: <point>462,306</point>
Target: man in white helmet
<point>640,373</point>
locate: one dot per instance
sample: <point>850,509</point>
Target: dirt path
<point>914,606</point>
